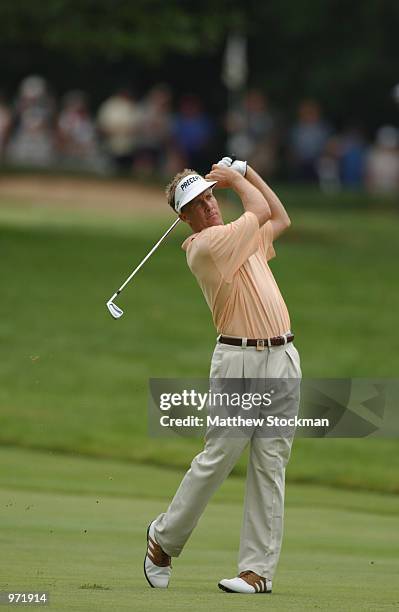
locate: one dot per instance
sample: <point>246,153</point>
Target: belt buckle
<point>260,344</point>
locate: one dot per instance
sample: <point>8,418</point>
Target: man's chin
<point>214,220</point>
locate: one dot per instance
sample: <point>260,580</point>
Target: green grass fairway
<point>79,476</point>
<point>74,380</point>
<point>76,528</point>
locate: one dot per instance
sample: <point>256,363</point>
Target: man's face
<point>202,212</point>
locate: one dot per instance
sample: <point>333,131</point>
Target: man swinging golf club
<point>254,341</point>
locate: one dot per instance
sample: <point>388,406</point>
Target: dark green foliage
<point>343,53</point>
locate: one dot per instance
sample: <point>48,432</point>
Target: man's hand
<point>225,177</point>
<point>236,164</point>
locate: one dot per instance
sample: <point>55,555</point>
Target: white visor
<point>189,188</point>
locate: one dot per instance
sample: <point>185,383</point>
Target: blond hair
<point>171,188</point>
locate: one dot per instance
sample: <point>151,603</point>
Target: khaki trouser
<point>262,527</point>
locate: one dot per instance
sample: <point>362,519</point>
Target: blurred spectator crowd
<point>154,136</point>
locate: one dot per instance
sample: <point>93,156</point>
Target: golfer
<point>254,341</point>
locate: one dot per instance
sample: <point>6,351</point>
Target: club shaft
<point>154,248</point>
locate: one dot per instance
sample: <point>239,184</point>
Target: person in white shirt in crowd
<point>118,121</point>
<point>382,169</point>
<point>31,142</point>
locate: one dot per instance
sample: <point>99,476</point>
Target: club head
<point>114,310</point>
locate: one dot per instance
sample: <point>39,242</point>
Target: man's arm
<point>252,198</point>
<point>279,218</point>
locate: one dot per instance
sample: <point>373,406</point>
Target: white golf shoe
<point>157,564</point>
<point>246,582</point>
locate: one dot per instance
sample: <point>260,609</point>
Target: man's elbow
<point>264,216</point>
<point>283,222</point>
<point>280,226</point>
<point>284,225</point>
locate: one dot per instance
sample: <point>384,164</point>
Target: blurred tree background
<point>344,54</point>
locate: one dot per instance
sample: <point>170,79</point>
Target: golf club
<point>113,309</point>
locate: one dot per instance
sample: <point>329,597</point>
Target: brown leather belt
<point>260,343</point>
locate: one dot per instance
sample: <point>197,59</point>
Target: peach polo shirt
<point>230,264</point>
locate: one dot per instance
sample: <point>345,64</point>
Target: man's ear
<point>183,217</point>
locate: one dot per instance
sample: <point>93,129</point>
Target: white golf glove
<point>235,164</point>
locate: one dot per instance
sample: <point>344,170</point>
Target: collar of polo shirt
<point>189,188</point>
